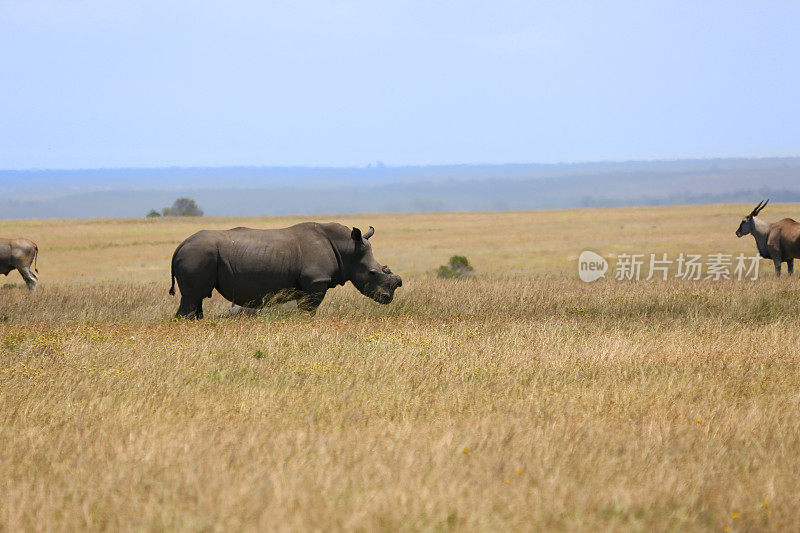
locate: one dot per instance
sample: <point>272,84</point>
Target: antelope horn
<point>755,210</point>
<point>370,232</point>
<point>763,206</point>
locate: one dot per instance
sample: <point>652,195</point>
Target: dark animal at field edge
<point>20,254</point>
<point>251,267</point>
<point>779,241</point>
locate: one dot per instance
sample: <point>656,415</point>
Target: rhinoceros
<point>249,267</point>
<point>20,254</point>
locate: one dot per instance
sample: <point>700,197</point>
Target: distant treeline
<point>270,191</point>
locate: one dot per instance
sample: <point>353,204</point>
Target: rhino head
<point>370,277</point>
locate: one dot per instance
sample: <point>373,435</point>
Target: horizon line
<point>378,165</point>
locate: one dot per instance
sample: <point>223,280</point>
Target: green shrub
<point>457,267</point>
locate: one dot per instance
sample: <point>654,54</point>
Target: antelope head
<point>746,226</point>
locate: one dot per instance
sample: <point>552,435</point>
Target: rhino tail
<point>172,272</point>
<point>172,267</point>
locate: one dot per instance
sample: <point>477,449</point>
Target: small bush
<point>457,267</point>
<point>153,214</point>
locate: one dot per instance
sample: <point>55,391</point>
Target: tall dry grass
<point>521,399</point>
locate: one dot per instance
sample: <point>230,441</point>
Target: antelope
<point>779,241</point>
<point>20,254</point>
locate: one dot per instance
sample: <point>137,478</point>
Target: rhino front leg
<point>312,296</point>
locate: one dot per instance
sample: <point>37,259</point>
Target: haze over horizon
<point>229,191</point>
<point>94,85</point>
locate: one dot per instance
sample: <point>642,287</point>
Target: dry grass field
<point>520,399</point>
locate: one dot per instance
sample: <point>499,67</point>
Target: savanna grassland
<point>520,399</point>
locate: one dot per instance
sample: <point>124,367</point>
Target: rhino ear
<point>356,235</point>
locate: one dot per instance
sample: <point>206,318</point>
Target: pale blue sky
<point>87,84</point>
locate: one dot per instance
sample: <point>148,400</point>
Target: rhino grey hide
<point>252,267</point>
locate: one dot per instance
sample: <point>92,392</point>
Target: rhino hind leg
<point>194,287</point>
<point>191,308</point>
